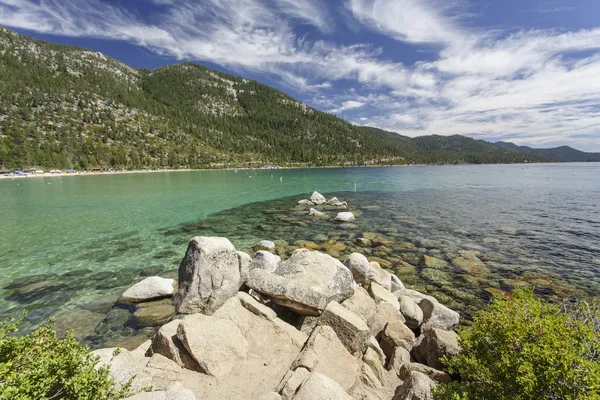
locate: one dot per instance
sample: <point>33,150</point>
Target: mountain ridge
<point>68,107</point>
<point>560,153</point>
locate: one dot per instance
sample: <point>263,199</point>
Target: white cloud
<point>536,86</point>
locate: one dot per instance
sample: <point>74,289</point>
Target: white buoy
<point>355,187</point>
<point>281,179</point>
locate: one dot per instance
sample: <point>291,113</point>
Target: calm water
<point>65,241</point>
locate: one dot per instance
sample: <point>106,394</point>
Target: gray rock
<point>418,386</point>
<point>317,198</point>
<point>123,367</point>
<point>305,283</point>
<point>265,260</point>
<point>345,217</point>
<point>244,260</point>
<point>306,202</point>
<point>209,274</point>
<point>436,315</point>
<point>319,386</point>
<point>415,295</point>
<point>294,381</point>
<point>349,327</point>
<point>411,311</point>
<point>332,201</point>
<point>433,345</point>
<point>216,344</point>
<point>150,288</point>
<point>399,358</point>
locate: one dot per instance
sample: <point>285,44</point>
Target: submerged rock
<point>265,245</point>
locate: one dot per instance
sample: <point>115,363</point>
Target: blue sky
<point>526,71</point>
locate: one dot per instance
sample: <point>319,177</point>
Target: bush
<point>526,349</point>
<point>41,366</point>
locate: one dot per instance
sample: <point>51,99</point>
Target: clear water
<point>93,235</point>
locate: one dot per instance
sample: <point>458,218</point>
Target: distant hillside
<point>68,107</point>
<point>561,154</point>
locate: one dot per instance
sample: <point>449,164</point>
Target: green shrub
<point>526,349</point>
<point>41,366</point>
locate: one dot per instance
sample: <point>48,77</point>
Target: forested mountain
<point>68,107</point>
<point>561,154</point>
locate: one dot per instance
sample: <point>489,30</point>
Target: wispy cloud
<point>532,86</point>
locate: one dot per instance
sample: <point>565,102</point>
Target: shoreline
<point>143,171</point>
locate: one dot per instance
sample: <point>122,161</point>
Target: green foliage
<point>67,107</point>
<point>525,349</point>
<point>40,366</point>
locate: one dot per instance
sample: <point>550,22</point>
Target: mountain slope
<point>68,107</point>
<point>561,154</point>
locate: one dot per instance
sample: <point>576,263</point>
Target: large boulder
<point>150,288</point>
<point>124,367</point>
<point>317,198</point>
<point>349,327</point>
<point>417,386</point>
<point>361,304</point>
<point>245,260</point>
<point>306,282</point>
<point>216,344</point>
<point>209,274</point>
<point>433,345</point>
<point>436,315</point>
<point>365,272</point>
<point>319,386</point>
<point>345,217</point>
<point>264,260</point>
<point>411,311</point>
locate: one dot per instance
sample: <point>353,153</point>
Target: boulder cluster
<point>318,200</point>
<point>305,328</point>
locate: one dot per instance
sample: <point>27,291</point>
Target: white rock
<point>306,202</point>
<point>361,304</point>
<point>264,260</point>
<point>265,245</point>
<point>316,213</point>
<point>418,386</point>
<point>244,260</point>
<point>332,200</point>
<point>345,217</point>
<point>317,198</point>
<point>150,288</point>
<point>349,327</point>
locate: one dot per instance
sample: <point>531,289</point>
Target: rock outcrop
<point>308,327</point>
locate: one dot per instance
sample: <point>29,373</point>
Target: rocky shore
<point>308,327</point>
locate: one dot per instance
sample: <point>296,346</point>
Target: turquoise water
<point>110,230</point>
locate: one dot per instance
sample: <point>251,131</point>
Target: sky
<point>525,71</point>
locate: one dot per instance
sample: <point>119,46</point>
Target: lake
<point>70,245</point>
